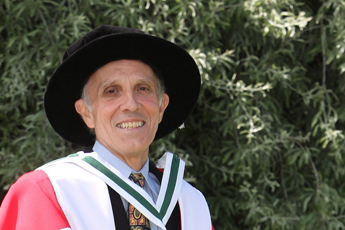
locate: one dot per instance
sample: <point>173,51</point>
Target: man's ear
<point>85,113</point>
<point>163,106</point>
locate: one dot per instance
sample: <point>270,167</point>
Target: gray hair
<point>85,96</point>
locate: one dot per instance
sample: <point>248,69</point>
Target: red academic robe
<point>32,204</point>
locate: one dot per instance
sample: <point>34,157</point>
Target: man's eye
<point>144,88</point>
<point>110,91</point>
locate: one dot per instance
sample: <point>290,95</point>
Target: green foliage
<point>265,143</point>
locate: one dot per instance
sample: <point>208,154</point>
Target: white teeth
<point>130,125</point>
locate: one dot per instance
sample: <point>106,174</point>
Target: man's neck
<point>133,160</point>
<point>136,163</point>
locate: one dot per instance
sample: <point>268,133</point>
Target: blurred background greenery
<point>265,143</point>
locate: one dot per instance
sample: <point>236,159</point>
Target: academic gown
<point>32,204</point>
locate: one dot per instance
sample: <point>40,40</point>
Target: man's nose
<point>130,102</point>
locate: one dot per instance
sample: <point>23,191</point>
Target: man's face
<point>125,107</point>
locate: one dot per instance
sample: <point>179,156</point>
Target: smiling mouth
<point>130,125</point>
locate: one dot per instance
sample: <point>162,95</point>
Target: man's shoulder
<point>65,165</point>
<point>190,200</point>
<point>189,190</point>
<point>30,178</point>
<point>29,185</point>
<point>67,158</point>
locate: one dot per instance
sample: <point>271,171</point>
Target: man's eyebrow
<point>108,83</point>
<point>147,81</point>
<point>105,84</point>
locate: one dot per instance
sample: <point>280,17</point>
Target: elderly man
<point>117,89</point>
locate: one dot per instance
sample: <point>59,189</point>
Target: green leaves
<point>265,143</point>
